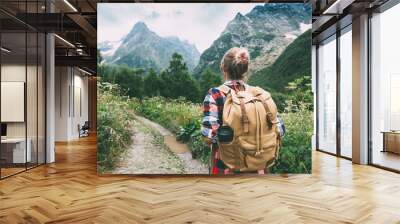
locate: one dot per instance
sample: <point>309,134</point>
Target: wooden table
<point>391,141</point>
<point>13,150</point>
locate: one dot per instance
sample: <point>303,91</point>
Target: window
<point>385,89</point>
<point>22,77</point>
<point>327,95</point>
<point>346,92</point>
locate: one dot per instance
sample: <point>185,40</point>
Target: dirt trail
<point>156,151</point>
<point>148,155</point>
<point>169,138</point>
<point>191,166</point>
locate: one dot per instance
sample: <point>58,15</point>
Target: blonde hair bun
<point>242,56</point>
<point>235,63</point>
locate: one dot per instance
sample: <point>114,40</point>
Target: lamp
<point>64,40</point>
<point>5,50</point>
<point>84,71</point>
<point>337,7</point>
<point>70,5</point>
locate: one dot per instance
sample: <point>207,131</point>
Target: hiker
<point>240,121</point>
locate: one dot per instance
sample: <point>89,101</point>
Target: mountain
<point>143,48</point>
<point>293,63</point>
<point>265,31</point>
<point>108,48</point>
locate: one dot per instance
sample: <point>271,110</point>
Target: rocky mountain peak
<point>239,16</point>
<point>143,48</point>
<point>260,31</point>
<point>140,27</point>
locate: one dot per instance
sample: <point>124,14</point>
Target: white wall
<point>33,126</point>
<point>16,73</point>
<point>61,103</point>
<point>80,108</point>
<point>71,87</point>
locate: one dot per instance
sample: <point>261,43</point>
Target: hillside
<point>143,48</point>
<point>265,31</point>
<point>293,63</point>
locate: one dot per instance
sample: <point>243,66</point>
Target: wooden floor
<point>5,172</point>
<point>387,159</point>
<point>70,191</point>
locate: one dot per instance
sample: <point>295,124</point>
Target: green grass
<point>170,113</point>
<point>295,155</point>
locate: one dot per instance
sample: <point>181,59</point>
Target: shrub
<point>114,119</point>
<point>199,150</point>
<point>170,113</point>
<point>295,155</point>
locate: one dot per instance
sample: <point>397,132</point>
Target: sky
<point>198,23</point>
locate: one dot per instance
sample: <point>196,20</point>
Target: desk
<point>391,141</point>
<point>13,150</point>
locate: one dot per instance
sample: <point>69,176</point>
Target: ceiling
<point>331,15</point>
<point>73,21</point>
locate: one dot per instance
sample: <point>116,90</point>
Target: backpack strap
<point>244,118</point>
<point>225,89</point>
<point>258,92</point>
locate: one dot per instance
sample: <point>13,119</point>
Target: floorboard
<point>69,191</point>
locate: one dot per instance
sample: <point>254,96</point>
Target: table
<point>13,150</point>
<point>391,141</point>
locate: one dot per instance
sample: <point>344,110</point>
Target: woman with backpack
<point>240,121</point>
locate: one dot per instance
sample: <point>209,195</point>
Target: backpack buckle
<point>269,118</point>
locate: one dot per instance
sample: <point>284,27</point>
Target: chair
<point>84,130</point>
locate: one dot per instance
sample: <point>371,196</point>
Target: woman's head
<point>235,63</point>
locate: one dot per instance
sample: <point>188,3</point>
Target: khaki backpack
<point>252,115</point>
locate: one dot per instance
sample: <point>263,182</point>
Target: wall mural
<point>177,88</point>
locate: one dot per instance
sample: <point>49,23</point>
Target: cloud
<point>198,23</point>
<point>154,15</point>
<point>178,12</point>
